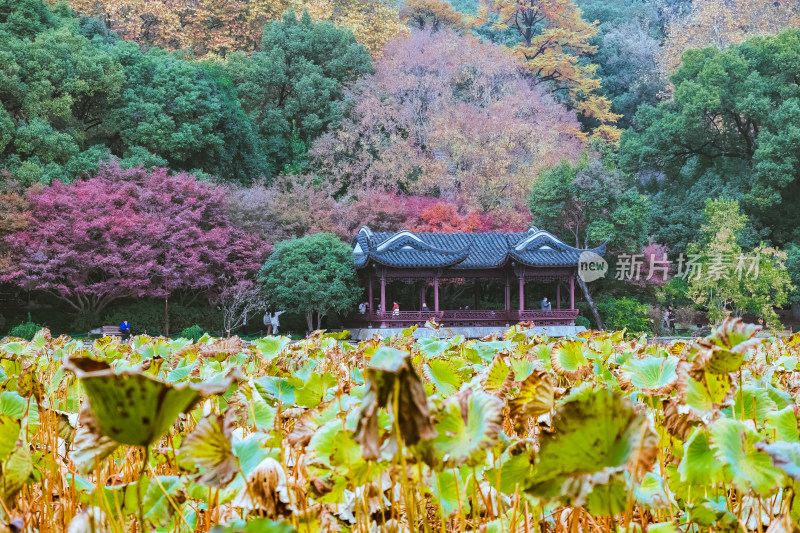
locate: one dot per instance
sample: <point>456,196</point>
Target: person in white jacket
<point>275,322</point>
<point>268,322</point>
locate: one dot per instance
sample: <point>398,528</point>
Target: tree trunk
<point>319,320</point>
<point>310,320</point>
<point>588,297</point>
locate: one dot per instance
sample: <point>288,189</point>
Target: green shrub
<point>192,332</point>
<point>25,330</point>
<point>625,313</point>
<point>86,321</point>
<point>149,316</point>
<point>583,321</point>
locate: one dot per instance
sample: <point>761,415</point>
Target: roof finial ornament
<point>533,229</point>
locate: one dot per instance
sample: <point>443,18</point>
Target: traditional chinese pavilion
<point>528,265</point>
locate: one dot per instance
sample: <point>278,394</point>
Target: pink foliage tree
<point>656,269</point>
<point>130,234</point>
<point>448,116</point>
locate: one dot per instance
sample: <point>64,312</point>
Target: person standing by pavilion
<point>546,305</point>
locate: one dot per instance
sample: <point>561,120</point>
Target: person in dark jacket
<point>125,329</point>
<point>546,305</point>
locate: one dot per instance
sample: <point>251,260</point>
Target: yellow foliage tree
<point>553,36</point>
<point>722,23</point>
<point>431,14</point>
<point>218,27</point>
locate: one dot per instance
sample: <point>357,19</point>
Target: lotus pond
<point>519,433</point>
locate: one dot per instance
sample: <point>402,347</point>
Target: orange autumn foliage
<point>445,218</point>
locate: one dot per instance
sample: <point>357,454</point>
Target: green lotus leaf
<point>663,527</point>
<point>651,492</point>
<point>12,404</point>
<point>536,397</point>
<point>14,347</point>
<point>699,466</point>
<point>595,431</point>
<point>312,393</point>
<point>159,500</point>
<point>207,450</point>
<point>159,347</point>
<point>522,368</point>
<point>606,495</point>
<point>542,352</point>
<point>787,362</point>
<point>487,350</point>
<point>568,359</point>
<point>712,511</point>
<point>15,472</point>
<point>468,426</point>
<point>705,396</point>
<point>321,447</point>
<point>272,347</point>
<point>448,491</point>
<point>9,433</point>
<point>652,375</point>
<point>781,398</point>
<point>180,373</point>
<point>251,451</point>
<point>784,455</point>
<point>278,388</point>
<point>752,403</point>
<point>515,472</point>
<point>784,424</point>
<point>498,373</point>
<point>443,375</point>
<point>432,347</point>
<point>135,408</point>
<point>734,443</point>
<point>258,525</point>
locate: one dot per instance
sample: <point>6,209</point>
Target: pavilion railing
<point>464,317</point>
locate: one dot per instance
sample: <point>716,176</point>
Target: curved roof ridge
<point>398,240</point>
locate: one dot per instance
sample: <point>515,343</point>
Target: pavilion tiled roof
<point>406,249</point>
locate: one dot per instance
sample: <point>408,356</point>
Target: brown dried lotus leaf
<point>536,397</point>
<point>227,347</point>
<point>678,424</point>
<point>89,446</point>
<point>265,491</point>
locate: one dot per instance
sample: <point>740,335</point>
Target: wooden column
<point>558,295</point>
<point>383,295</point>
<point>508,295</point>
<point>572,291</point>
<point>369,294</point>
<point>521,294</point>
<point>436,294</point>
